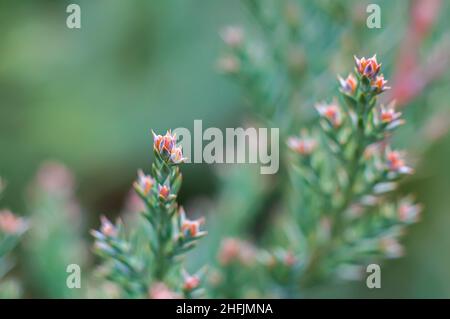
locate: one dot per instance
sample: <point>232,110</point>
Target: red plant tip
<point>331,112</point>
<point>388,114</point>
<point>368,67</point>
<point>396,163</point>
<point>302,146</point>
<point>192,227</point>
<point>233,36</point>
<point>163,191</point>
<point>349,84</point>
<point>107,228</point>
<point>191,282</point>
<point>176,155</point>
<point>164,143</point>
<point>166,147</point>
<point>11,224</point>
<point>379,84</point>
<point>144,183</point>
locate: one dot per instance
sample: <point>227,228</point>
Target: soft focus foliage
<point>12,228</point>
<point>54,240</point>
<point>89,97</point>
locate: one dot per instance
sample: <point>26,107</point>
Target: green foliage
<point>168,234</point>
<point>94,117</point>
<point>344,211</point>
<point>342,176</point>
<point>283,66</point>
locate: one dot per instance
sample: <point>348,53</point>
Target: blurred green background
<point>88,98</point>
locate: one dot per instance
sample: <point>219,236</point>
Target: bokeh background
<point>88,98</point>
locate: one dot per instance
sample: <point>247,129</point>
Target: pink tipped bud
<point>107,228</point>
<point>349,84</point>
<point>11,224</point>
<point>144,183</point>
<point>191,227</point>
<point>379,84</point>
<point>191,283</point>
<point>164,143</point>
<point>367,67</point>
<point>176,155</point>
<point>331,112</point>
<point>167,148</point>
<point>396,163</point>
<point>388,114</point>
<point>163,191</point>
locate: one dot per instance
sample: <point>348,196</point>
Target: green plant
<point>344,213</point>
<point>344,175</point>
<point>148,261</point>
<point>282,65</point>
